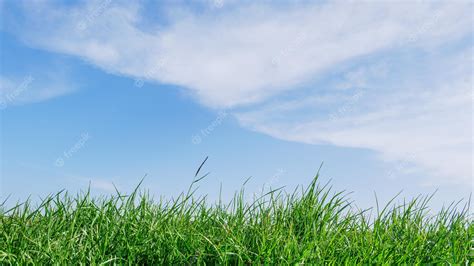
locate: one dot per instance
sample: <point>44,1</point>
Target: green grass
<point>311,225</point>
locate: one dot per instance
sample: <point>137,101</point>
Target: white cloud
<point>246,56</point>
<point>30,88</point>
<point>427,124</point>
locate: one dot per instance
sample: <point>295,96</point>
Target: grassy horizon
<point>310,225</point>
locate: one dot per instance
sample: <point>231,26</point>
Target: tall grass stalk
<point>309,225</point>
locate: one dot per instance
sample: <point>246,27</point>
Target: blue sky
<point>104,92</point>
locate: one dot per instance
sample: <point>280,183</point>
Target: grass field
<point>310,225</point>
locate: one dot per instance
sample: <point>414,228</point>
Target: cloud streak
<point>29,89</point>
<point>420,122</point>
<point>277,69</point>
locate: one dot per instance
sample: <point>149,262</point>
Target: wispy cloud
<point>228,59</point>
<point>276,68</point>
<point>424,119</point>
<point>32,87</point>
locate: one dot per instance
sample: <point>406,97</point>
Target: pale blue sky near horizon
<point>103,92</point>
